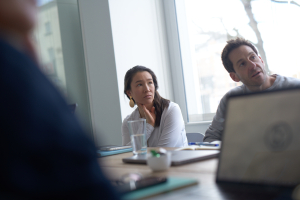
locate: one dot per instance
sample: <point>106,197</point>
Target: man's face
<point>249,68</point>
<point>18,16</point>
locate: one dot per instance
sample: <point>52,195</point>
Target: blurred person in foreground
<point>45,154</point>
<point>241,60</point>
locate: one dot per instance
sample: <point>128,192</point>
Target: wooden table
<point>203,171</point>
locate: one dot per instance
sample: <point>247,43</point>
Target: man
<point>44,152</point>
<point>240,58</point>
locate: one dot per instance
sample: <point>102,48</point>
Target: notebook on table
<point>216,145</point>
<point>178,157</point>
<point>109,150</point>
<point>261,138</point>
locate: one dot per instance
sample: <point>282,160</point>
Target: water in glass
<point>139,144</point>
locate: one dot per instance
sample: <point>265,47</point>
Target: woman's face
<point>142,88</point>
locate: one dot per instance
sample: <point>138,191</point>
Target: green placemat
<point>173,183</point>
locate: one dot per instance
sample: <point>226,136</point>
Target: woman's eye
<point>150,82</point>
<point>139,85</point>
<point>242,64</point>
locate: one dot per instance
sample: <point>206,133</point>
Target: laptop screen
<point>261,139</point>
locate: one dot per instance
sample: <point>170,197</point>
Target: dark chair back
<point>195,137</point>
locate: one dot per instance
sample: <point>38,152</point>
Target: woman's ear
<point>128,93</point>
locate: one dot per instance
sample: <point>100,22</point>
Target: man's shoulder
<point>284,82</point>
<point>289,79</point>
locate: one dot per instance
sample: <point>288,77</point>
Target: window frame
<point>176,62</point>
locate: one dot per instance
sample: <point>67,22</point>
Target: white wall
<point>139,38</point>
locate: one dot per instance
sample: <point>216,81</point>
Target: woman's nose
<point>147,88</point>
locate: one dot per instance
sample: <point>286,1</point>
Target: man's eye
<point>139,85</point>
<point>242,64</point>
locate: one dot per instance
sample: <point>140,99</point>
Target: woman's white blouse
<point>170,133</point>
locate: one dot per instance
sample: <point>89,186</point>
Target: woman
<point>165,125</point>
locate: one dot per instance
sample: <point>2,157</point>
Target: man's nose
<point>252,65</point>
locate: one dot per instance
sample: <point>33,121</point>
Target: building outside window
<point>59,46</point>
<point>48,39</point>
<point>48,29</point>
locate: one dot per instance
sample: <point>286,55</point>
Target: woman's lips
<point>148,96</point>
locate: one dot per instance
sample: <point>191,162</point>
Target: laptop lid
<point>261,139</point>
<point>178,157</point>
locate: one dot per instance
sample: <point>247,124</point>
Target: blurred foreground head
<point>17,16</point>
<point>17,21</point>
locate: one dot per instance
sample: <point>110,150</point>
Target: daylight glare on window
<point>205,26</point>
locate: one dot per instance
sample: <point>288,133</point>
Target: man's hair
<point>231,45</point>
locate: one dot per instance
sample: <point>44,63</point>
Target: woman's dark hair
<point>159,103</point>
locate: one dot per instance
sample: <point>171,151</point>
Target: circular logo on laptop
<point>278,136</point>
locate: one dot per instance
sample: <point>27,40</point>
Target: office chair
<point>195,137</point>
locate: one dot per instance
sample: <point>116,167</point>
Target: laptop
<point>261,139</point>
<point>178,157</point>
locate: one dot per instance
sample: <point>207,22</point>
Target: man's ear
<point>234,77</point>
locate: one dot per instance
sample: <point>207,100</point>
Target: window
<point>60,50</point>
<point>205,26</point>
<point>52,61</point>
<point>48,29</point>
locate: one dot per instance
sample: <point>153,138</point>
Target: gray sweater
<point>215,130</point>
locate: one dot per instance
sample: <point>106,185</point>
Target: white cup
<point>159,163</point>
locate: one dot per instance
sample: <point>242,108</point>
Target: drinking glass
<point>137,129</point>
